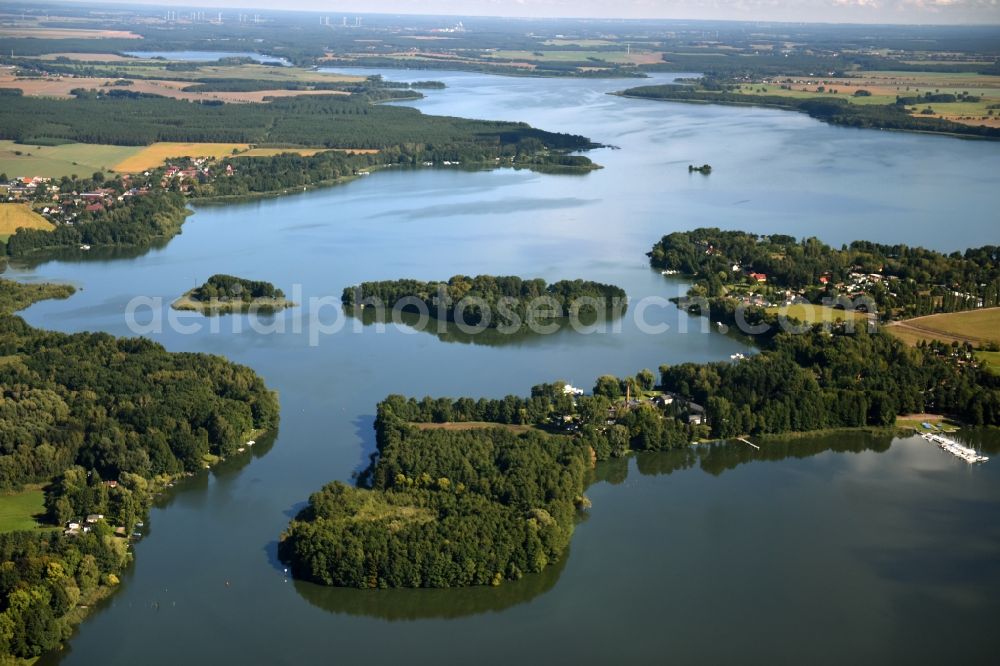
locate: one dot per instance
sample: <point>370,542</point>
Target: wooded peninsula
<point>104,423</point>
<point>475,492</point>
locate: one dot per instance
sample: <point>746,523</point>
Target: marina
<point>966,453</point>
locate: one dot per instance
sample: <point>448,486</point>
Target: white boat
<point>84,247</point>
<point>966,453</point>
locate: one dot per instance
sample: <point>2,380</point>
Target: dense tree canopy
<point>230,287</point>
<point>332,121</point>
<point>446,508</point>
<point>491,301</point>
<point>106,421</point>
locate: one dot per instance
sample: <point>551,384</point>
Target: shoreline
<point>184,303</point>
<point>763,105</point>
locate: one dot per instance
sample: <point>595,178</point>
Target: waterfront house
<point>696,414</point>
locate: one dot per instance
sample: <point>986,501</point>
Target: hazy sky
<point>840,11</point>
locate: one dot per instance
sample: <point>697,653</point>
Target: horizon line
<point>138,5</point>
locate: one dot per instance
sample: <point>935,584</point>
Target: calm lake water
<point>207,56</point>
<point>821,549</point>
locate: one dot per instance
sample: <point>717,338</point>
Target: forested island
<point>834,111</point>
<point>507,303</point>
<point>476,492</point>
<point>103,424</point>
<point>222,294</point>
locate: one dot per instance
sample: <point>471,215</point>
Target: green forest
<point>477,505</point>
<point>446,509</point>
<point>224,294</point>
<point>330,121</point>
<point>105,422</point>
<point>230,287</point>
<point>503,302</point>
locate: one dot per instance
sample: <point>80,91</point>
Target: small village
<point>67,201</point>
<point>669,404</point>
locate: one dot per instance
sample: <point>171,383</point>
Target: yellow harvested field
<point>155,155</point>
<point>260,95</point>
<point>270,152</point>
<point>65,33</point>
<point>305,152</point>
<point>60,86</point>
<point>14,216</point>
<point>974,326</point>
<point>88,57</point>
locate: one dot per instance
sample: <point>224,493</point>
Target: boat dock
<point>966,453</point>
<point>747,441</point>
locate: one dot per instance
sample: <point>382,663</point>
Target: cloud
<point>874,4</point>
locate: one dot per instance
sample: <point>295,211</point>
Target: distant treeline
<point>833,111</point>
<point>492,66</point>
<point>490,301</point>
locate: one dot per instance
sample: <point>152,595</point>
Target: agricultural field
<point>18,510</point>
<point>150,157</point>
<point>991,360</point>
<point>305,152</point>
<point>82,159</point>
<point>87,57</point>
<point>158,68</point>
<point>37,32</point>
<point>62,87</point>
<point>974,326</point>
<point>15,216</point>
<point>816,314</point>
<point>885,86</point>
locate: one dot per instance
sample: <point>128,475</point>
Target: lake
<point>208,56</point>
<point>826,548</point>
